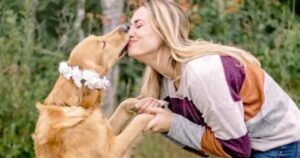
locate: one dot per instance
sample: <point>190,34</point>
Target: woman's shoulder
<point>203,65</point>
<point>203,61</point>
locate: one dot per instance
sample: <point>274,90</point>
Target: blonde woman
<point>221,102</point>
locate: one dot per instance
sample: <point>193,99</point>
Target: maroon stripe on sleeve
<point>186,108</point>
<point>239,147</point>
<point>235,76</point>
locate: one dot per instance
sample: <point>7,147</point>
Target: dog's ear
<point>62,117</point>
<point>102,43</point>
<point>39,106</point>
<point>71,116</point>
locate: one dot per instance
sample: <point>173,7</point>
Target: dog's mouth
<point>124,51</point>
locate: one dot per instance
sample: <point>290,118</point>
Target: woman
<point>221,101</point>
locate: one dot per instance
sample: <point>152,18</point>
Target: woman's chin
<point>134,55</point>
<point>131,52</point>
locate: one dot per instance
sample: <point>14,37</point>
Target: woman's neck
<point>160,62</point>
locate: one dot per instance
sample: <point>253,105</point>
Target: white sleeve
<point>210,93</point>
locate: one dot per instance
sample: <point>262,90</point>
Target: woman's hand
<point>162,120</point>
<point>142,105</point>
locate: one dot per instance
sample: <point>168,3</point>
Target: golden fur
<point>71,123</point>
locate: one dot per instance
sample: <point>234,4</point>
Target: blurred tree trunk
<point>80,13</point>
<point>73,28</point>
<point>30,28</point>
<point>112,12</point>
<point>31,22</point>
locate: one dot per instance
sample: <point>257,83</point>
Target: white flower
<point>65,70</point>
<point>77,76</point>
<point>87,74</point>
<point>90,78</point>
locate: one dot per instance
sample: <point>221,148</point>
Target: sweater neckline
<point>171,85</point>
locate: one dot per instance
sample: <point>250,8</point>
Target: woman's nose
<point>131,32</point>
<point>124,28</point>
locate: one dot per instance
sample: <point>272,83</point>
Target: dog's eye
<point>103,44</point>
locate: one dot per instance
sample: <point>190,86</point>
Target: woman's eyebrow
<point>136,21</point>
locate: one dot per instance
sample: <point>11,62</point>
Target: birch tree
<point>112,12</point>
<point>80,14</point>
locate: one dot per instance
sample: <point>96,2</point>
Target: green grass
<point>157,146</point>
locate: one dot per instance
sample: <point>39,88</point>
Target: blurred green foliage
<point>36,35</point>
<point>268,29</point>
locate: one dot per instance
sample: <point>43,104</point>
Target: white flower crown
<point>90,78</point>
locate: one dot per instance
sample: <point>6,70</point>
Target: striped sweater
<point>226,109</point>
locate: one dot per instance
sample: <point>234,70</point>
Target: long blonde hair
<point>171,23</point>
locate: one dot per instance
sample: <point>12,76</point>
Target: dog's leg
<point>122,115</point>
<point>123,141</point>
<point>124,112</point>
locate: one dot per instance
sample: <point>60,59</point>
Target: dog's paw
<point>129,105</point>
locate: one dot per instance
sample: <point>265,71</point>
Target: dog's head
<point>100,53</point>
<point>94,53</point>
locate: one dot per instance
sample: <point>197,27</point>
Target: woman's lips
<point>130,43</point>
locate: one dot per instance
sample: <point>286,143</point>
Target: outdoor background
<point>35,35</point>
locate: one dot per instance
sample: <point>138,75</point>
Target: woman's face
<point>143,39</point>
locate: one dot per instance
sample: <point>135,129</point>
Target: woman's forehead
<point>140,15</point>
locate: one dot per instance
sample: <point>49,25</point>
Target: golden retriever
<point>71,123</point>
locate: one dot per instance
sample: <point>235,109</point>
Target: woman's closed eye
<point>139,26</point>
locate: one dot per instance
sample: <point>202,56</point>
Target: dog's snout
<point>124,28</point>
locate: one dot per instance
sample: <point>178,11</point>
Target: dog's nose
<point>124,28</point>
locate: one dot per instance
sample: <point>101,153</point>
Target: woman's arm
<point>225,132</point>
